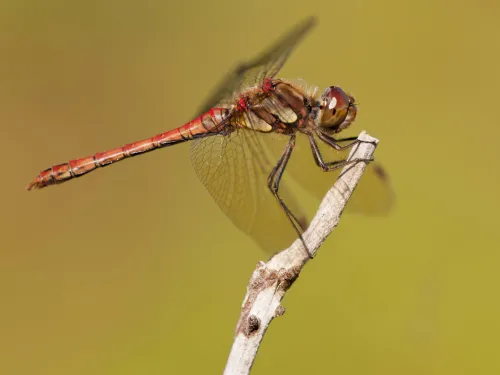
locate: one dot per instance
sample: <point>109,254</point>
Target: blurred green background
<point>134,270</point>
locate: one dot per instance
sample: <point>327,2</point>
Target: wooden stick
<point>270,281</point>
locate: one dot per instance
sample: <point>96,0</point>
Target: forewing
<point>266,65</point>
<point>235,168</point>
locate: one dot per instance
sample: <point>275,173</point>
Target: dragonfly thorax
<point>274,105</point>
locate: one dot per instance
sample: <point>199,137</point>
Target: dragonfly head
<point>337,109</point>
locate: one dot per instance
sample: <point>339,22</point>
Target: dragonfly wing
<point>374,196</point>
<point>267,65</point>
<point>234,168</point>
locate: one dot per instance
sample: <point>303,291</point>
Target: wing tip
<point>380,172</point>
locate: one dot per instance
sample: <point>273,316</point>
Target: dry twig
<point>270,281</point>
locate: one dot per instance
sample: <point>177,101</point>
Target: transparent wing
<point>234,168</point>
<point>374,196</point>
<point>266,65</point>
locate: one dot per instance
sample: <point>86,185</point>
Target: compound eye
<point>335,105</point>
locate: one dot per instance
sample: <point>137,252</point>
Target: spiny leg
<point>274,178</point>
<point>273,182</point>
<point>335,142</point>
<point>331,166</point>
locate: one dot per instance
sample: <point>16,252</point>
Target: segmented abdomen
<point>209,122</point>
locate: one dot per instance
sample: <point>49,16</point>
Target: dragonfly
<point>242,143</point>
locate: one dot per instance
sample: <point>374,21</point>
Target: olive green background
<point>134,269</point>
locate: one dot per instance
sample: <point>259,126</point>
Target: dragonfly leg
<point>331,166</point>
<point>335,142</point>
<point>273,183</point>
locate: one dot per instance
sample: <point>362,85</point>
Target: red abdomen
<point>208,123</point>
